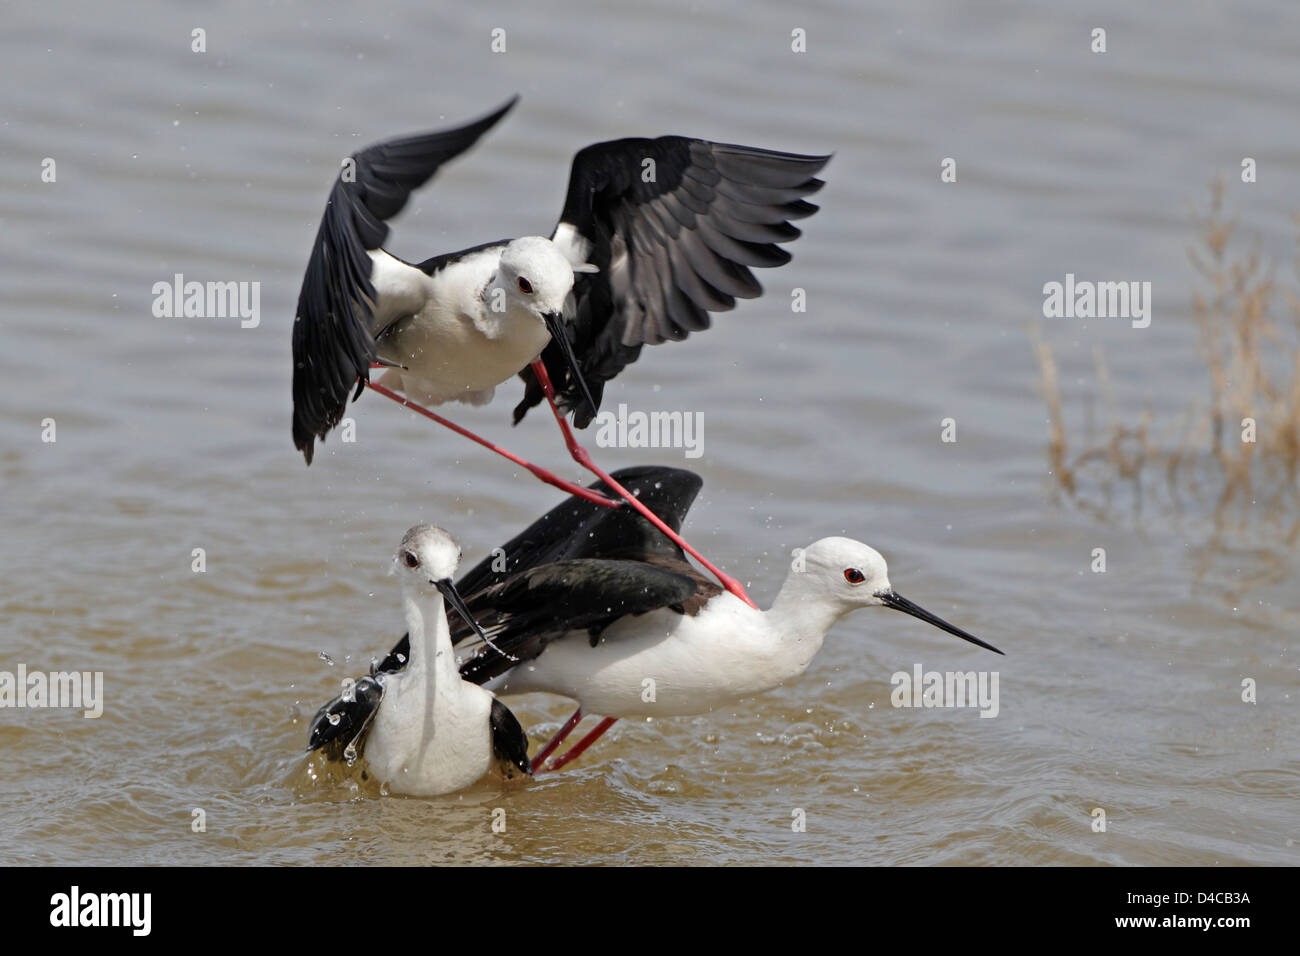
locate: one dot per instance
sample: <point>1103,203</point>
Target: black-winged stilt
<point>593,604</point>
<point>421,727</point>
<point>655,234</point>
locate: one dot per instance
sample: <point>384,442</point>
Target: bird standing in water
<point>422,729</point>
<point>601,607</point>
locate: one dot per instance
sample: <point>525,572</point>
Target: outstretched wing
<point>580,529</point>
<point>345,302</point>
<point>577,529</point>
<point>523,613</point>
<point>674,226</point>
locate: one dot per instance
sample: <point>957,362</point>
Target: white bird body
<point>725,652</point>
<point>654,257</point>
<point>432,734</point>
<point>457,334</point>
<point>665,662</point>
<point>422,728</point>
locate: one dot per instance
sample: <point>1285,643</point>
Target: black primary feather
<point>527,611</point>
<point>675,225</point>
<point>581,529</point>
<point>333,341</point>
<point>345,719</point>
<point>576,529</point>
<point>509,742</point>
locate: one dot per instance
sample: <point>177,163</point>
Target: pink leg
<point>556,740</point>
<point>581,457</point>
<point>546,476</point>
<point>576,750</point>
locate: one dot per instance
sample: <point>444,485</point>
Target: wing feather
<point>674,226</point>
<point>334,327</point>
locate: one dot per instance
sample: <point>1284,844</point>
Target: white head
<point>844,575</point>
<point>426,561</point>
<point>535,277</point>
<point>426,557</point>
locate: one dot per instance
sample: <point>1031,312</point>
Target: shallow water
<point>1119,690</point>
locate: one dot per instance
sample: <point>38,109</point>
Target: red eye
<point>525,286</point>
<point>411,560</point>
<point>854,576</point>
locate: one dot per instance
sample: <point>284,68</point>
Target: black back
<point>581,566</point>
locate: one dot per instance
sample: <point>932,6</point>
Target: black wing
<point>581,529</point>
<point>670,250</point>
<point>509,742</point>
<point>528,610</point>
<point>577,529</point>
<point>343,721</point>
<point>333,338</point>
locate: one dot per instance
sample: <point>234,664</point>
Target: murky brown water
<point>1120,690</point>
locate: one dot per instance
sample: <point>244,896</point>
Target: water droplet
<point>350,753</point>
<point>326,658</point>
<point>333,719</point>
<point>401,658</point>
<point>349,690</point>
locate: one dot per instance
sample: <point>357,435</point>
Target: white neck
<point>432,658</point>
<point>802,614</point>
<point>431,734</point>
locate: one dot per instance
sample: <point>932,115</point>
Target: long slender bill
<point>555,325</point>
<point>899,603</point>
<point>452,596</point>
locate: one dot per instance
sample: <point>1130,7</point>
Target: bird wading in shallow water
<point>654,236</point>
<point>421,727</point>
<point>592,604</point>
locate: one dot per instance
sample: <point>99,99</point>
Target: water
<point>1120,690</point>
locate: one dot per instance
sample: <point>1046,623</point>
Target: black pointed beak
<point>899,603</point>
<point>452,597</point>
<point>555,325</point>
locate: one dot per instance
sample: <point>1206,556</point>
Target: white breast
<point>422,749</point>
<point>452,347</point>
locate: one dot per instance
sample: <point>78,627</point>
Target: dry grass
<point>1249,328</point>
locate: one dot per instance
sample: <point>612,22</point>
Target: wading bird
<point>655,234</point>
<point>591,604</point>
<point>421,727</point>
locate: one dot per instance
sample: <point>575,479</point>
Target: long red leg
<point>542,473</point>
<point>574,752</point>
<point>581,456</point>
<point>555,741</point>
